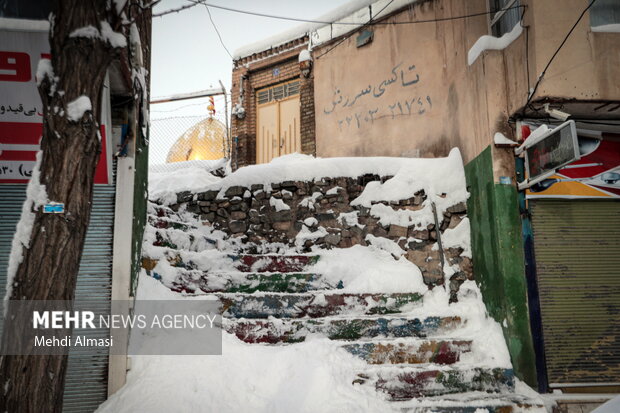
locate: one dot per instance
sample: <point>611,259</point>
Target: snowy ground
<point>313,376</point>
<point>316,375</point>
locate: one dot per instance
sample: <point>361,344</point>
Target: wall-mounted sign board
<point>21,110</point>
<point>552,150</point>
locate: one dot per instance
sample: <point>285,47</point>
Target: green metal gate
<point>577,252</point>
<point>87,374</point>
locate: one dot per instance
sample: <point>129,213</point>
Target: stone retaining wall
<point>319,213</point>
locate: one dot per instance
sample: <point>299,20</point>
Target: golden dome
<point>204,141</point>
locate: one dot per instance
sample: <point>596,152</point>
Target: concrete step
<point>407,383</point>
<point>160,211</point>
<point>199,282</point>
<point>168,223</point>
<point>480,404</point>
<point>293,331</point>
<point>183,240</point>
<point>442,352</point>
<point>314,305</point>
<point>273,263</point>
<point>244,263</point>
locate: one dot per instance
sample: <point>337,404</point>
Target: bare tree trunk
<point>70,151</point>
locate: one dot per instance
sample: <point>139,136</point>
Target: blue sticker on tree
<point>54,208</point>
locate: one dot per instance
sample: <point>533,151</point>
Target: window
<point>502,20</point>
<point>278,92</point>
<point>25,9</point>
<point>605,12</point>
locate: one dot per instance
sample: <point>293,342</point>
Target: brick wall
<point>257,72</point>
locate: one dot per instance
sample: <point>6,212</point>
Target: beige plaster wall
<point>587,67</point>
<point>411,92</point>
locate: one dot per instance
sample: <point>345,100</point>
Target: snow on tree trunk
<point>84,39</point>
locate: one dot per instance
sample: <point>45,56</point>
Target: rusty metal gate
<point>577,252</point>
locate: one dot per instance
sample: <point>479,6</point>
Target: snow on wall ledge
<point>493,43</point>
<point>306,203</point>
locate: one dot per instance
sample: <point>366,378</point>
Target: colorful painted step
<point>408,383</point>
<point>252,263</point>
<point>418,352</point>
<point>160,211</point>
<point>165,223</point>
<point>296,330</point>
<point>182,240</point>
<point>475,408</point>
<point>199,282</point>
<point>273,263</point>
<point>315,305</point>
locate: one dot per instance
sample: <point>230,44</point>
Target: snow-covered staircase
<point>416,360</point>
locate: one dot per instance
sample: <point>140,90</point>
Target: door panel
<point>277,123</point>
<point>289,126</point>
<point>267,133</point>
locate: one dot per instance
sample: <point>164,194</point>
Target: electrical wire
<point>271,16</point>
<point>542,75</point>
<point>217,31</point>
<point>347,37</point>
<point>178,9</point>
<point>218,99</point>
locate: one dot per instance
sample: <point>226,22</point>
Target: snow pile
<point>168,179</point>
<point>107,34</point>
<point>442,179</point>
<point>44,69</point>
<point>385,244</point>
<point>36,197</point>
<point>458,237</point>
<point>278,204</point>
<point>76,108</point>
<point>339,21</point>
<point>313,376</point>
<point>501,139</point>
<point>301,30</point>
<point>90,32</point>
<point>493,43</point>
<point>369,270</point>
<point>304,55</point>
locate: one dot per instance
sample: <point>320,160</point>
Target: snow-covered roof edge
<point>355,11</point>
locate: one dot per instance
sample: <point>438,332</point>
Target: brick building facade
<point>262,70</point>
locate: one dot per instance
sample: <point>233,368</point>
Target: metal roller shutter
<point>87,374</point>
<point>577,252</point>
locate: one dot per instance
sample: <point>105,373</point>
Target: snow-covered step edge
<point>442,352</point>
<point>409,383</point>
<point>315,305</point>
<point>350,329</point>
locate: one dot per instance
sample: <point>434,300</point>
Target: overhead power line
<point>345,38</point>
<point>178,9</point>
<point>216,30</point>
<point>271,16</point>
<point>542,74</point>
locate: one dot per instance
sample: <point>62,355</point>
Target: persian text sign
<point>21,111</point>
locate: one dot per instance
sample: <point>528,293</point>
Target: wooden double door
<point>277,122</point>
